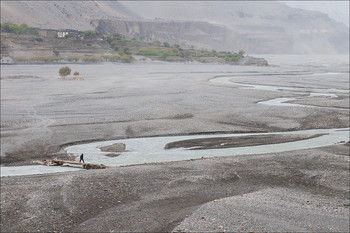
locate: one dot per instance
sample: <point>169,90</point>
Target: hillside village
<point>35,45</point>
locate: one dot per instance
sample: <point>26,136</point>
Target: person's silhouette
<point>81,158</point>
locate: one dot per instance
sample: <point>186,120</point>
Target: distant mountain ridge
<point>256,27</point>
<point>338,10</point>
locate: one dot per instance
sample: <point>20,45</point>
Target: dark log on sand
<point>58,162</point>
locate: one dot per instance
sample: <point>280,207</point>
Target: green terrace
<point>90,47</point>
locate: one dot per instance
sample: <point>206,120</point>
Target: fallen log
<point>59,162</point>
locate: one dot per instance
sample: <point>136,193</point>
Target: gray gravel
<point>268,210</point>
<point>294,191</point>
<point>306,190</point>
<point>41,113</point>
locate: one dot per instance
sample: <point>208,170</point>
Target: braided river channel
<point>143,150</point>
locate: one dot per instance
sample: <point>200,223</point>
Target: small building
<point>71,33</point>
<point>62,34</point>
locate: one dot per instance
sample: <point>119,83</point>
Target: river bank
<point>309,186</point>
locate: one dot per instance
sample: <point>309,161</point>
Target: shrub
<point>127,51</point>
<point>46,59</point>
<point>36,59</point>
<point>76,73</point>
<point>149,52</point>
<point>112,58</point>
<point>115,46</point>
<point>92,59</point>
<point>126,58</point>
<point>108,38</point>
<point>164,56</point>
<point>89,33</point>
<point>21,59</point>
<point>233,57</point>
<point>56,52</point>
<point>64,71</point>
<point>73,58</point>
<point>241,52</point>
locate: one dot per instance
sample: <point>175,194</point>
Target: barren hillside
<point>254,26</point>
<point>62,14</point>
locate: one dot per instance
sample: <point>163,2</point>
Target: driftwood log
<point>58,162</point>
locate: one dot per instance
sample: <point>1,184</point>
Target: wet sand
<point>231,142</point>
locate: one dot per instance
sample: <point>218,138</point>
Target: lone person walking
<point>81,158</point>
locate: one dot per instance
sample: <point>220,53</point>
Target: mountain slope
<point>62,14</point>
<point>257,26</point>
<point>254,26</point>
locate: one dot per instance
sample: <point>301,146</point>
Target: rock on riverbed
<point>248,60</point>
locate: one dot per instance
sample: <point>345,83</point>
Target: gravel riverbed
<point>300,190</point>
<point>293,191</point>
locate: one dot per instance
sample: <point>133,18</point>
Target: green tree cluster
<point>233,57</point>
<point>89,33</point>
<point>14,28</point>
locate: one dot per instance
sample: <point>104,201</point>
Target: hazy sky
<point>338,10</point>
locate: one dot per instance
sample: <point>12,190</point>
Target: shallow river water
<point>151,149</point>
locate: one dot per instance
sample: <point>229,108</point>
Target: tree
<point>64,71</point>
<point>6,27</point>
<point>23,28</point>
<point>14,28</point>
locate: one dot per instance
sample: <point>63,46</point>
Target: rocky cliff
<point>256,26</point>
<point>186,34</point>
